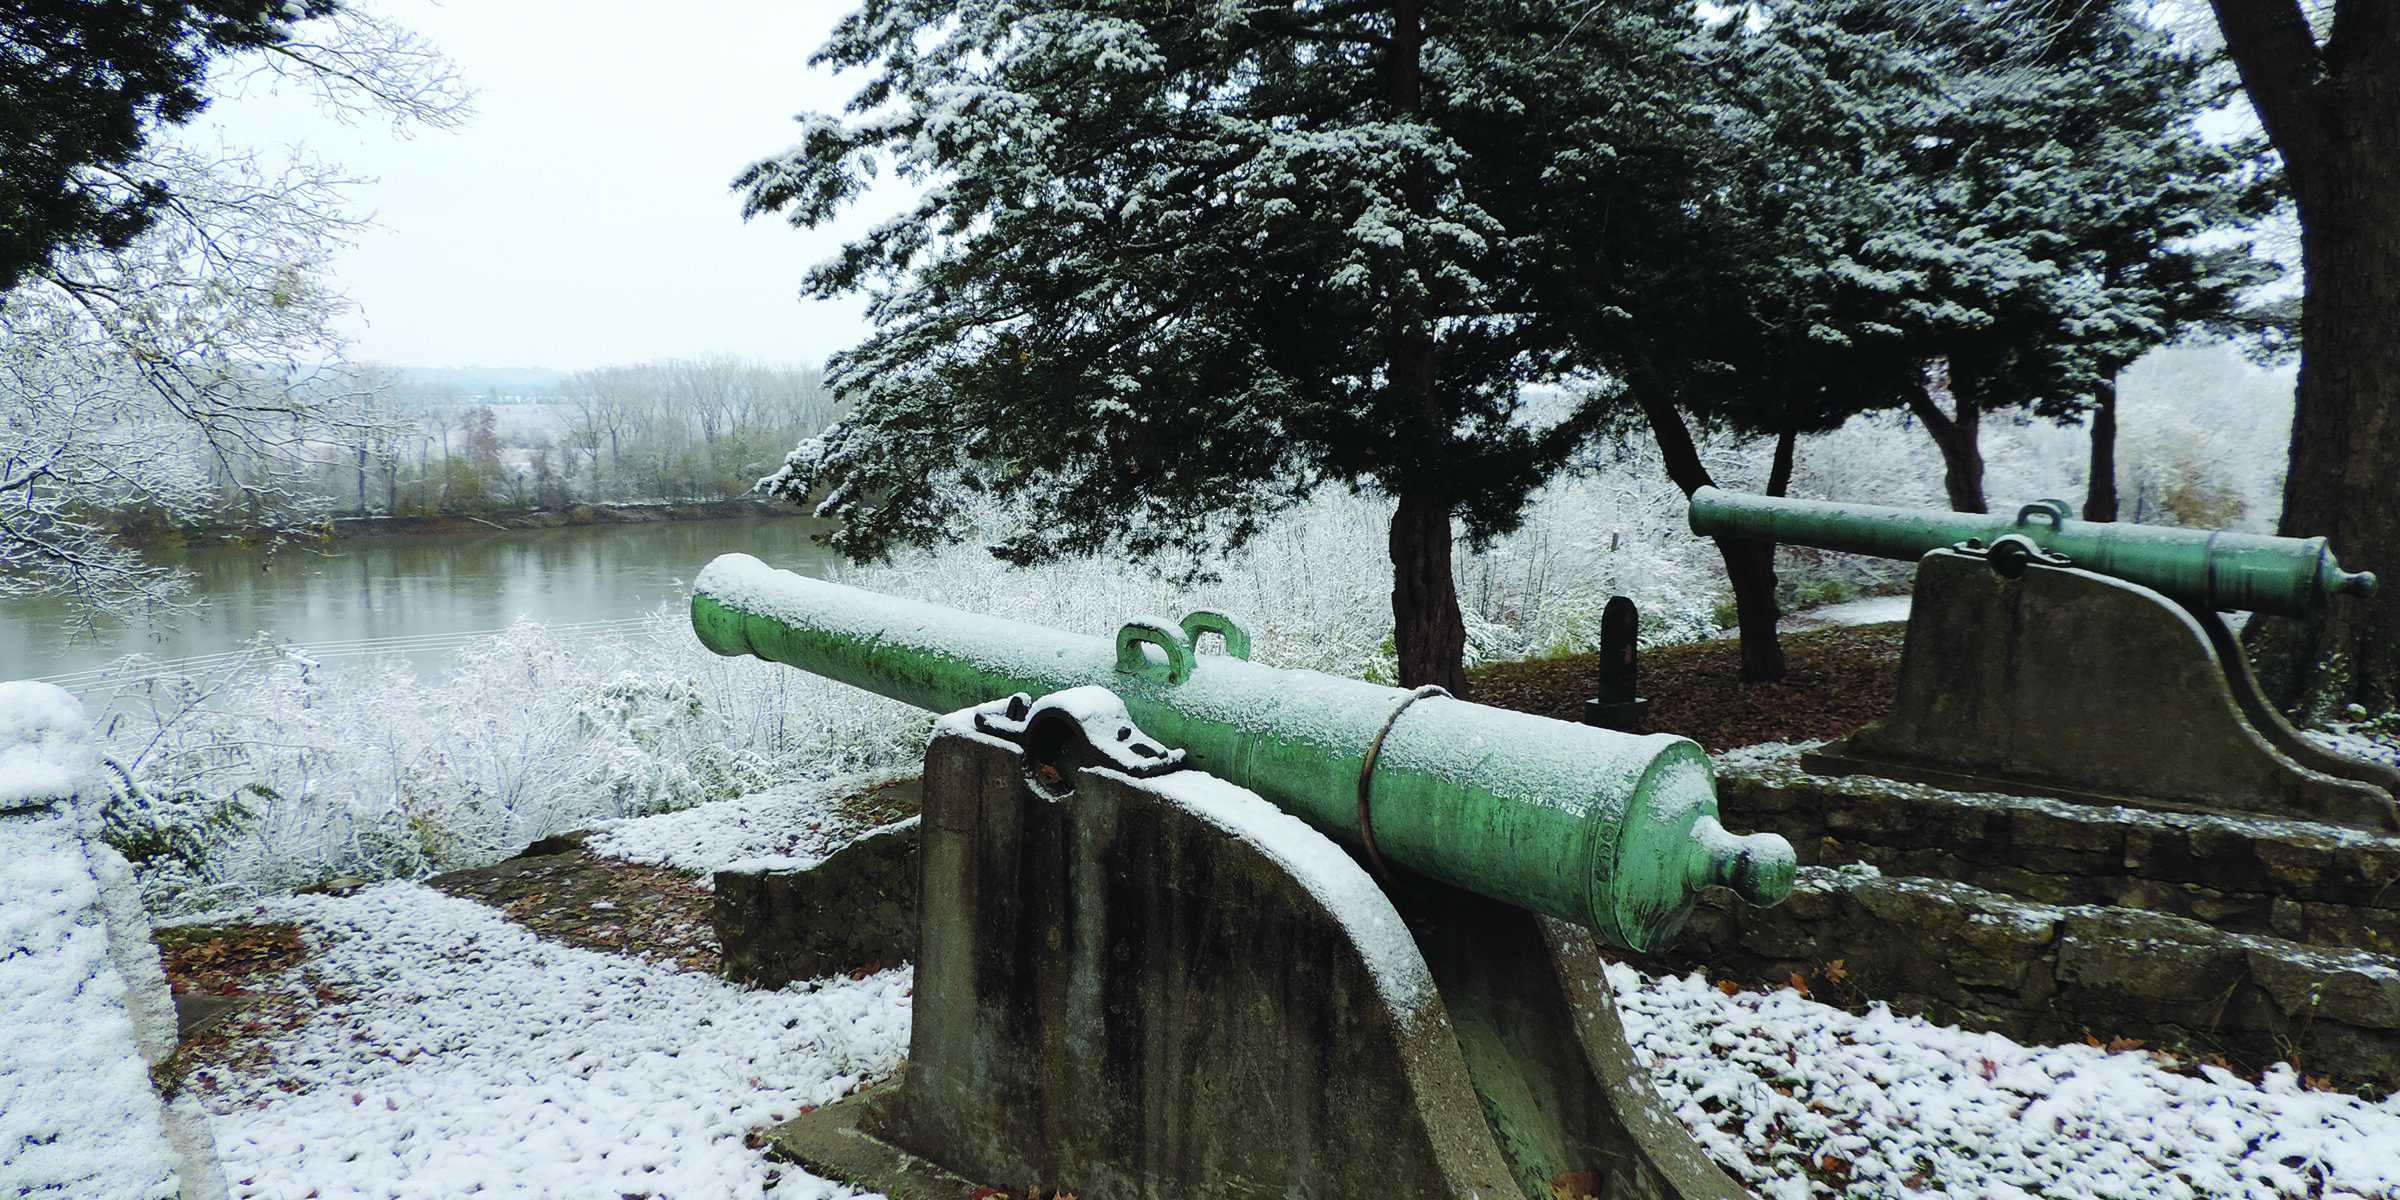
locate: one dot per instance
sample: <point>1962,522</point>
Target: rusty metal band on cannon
<point>1615,832</point>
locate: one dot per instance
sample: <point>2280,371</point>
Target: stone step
<point>2038,972</point>
<point>2299,881</point>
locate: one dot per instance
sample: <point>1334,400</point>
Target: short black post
<point>1617,706</point>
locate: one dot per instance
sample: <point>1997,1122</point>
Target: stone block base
<point>2210,933</point>
<point>855,910</point>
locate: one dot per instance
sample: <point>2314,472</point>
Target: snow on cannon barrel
<point>1614,832</point>
<point>2209,569</point>
<point>2083,661</point>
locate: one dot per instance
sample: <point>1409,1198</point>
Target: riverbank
<point>333,529</point>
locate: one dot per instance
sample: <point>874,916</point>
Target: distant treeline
<point>676,431</point>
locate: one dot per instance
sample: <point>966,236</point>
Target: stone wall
<point>2047,973</point>
<point>2200,932</point>
<point>2319,884</point>
<point>89,1015</point>
<point>855,910</point>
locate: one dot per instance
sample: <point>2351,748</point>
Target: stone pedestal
<point>88,1015</point>
<point>1167,988</point>
<point>2071,684</point>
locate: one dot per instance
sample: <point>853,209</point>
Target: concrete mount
<point>2078,686</point>
<point>1169,989</point>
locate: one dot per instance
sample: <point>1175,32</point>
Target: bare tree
<point>195,366</point>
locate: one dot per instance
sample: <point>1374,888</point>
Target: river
<point>420,595</point>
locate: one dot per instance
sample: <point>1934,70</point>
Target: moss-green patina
<point>1616,832</point>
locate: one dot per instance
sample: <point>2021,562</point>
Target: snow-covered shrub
<point>2201,441</point>
<point>286,772</point>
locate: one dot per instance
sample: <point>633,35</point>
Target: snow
<point>77,1116</point>
<point>1774,1083</point>
<point>45,747</point>
<point>769,830</point>
<point>2348,740</point>
<point>454,1052</point>
<point>1874,610</point>
<point>458,1051</point>
<point>1761,755</point>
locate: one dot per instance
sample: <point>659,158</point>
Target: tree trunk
<point>1427,628</point>
<point>2345,457</point>
<point>2333,112</point>
<point>1957,436</point>
<point>1779,476</point>
<point>1749,565</point>
<point>2100,498</point>
<point>1428,631</point>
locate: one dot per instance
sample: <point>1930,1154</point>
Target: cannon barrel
<point>2292,577</point>
<point>1612,831</point>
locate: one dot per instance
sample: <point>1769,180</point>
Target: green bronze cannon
<point>2208,569</point>
<point>1614,832</point>
<point>2083,661</point>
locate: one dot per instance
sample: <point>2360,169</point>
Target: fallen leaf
<point>1575,1185</point>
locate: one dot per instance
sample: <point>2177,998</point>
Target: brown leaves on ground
<point>1575,1185</point>
<point>598,903</point>
<point>238,986</point>
<point>1836,680</point>
<point>882,804</point>
<point>222,959</point>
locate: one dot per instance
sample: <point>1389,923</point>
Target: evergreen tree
<point>2035,211</point>
<point>82,86</point>
<point>1884,188</point>
<point>1180,264</point>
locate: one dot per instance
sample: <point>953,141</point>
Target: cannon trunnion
<point>1142,979</point>
<point>1614,832</point>
<point>2084,661</point>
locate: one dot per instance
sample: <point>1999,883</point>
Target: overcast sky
<point>582,217</point>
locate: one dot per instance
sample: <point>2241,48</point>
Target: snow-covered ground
<point>460,1054</point>
<point>1874,610</point>
<point>455,1052</point>
<point>1799,1099</point>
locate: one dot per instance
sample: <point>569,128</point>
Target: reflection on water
<point>412,594</point>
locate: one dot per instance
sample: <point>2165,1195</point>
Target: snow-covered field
<point>1800,1099</point>
<point>461,1054</point>
<point>468,1056</point>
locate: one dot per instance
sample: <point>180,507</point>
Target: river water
<point>420,595</point>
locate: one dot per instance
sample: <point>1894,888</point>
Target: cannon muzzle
<point>1612,831</point>
<point>2210,569</point>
